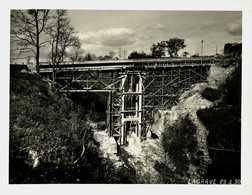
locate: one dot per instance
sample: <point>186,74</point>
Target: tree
<point>138,55</point>
<point>90,57</point>
<point>172,46</point>
<point>106,57</point>
<point>196,55</point>
<point>157,50</point>
<point>185,54</point>
<point>62,36</point>
<point>27,27</point>
<point>75,53</point>
<point>111,54</point>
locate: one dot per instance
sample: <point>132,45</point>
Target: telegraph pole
<point>201,52</point>
<point>124,53</point>
<point>120,53</point>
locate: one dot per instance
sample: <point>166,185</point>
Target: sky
<point>103,31</point>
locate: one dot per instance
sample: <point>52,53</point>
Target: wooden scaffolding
<point>134,91</point>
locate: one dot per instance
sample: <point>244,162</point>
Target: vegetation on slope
<point>180,144</point>
<point>223,122</point>
<point>214,151</point>
<point>52,137</point>
<point>45,127</point>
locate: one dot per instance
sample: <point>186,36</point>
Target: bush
<point>211,94</point>
<point>180,144</point>
<point>43,122</point>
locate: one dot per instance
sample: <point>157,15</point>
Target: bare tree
<point>62,36</point>
<point>76,53</point>
<point>27,27</point>
<point>111,54</point>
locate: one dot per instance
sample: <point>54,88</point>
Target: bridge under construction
<point>135,88</point>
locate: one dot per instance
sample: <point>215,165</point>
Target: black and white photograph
<point>125,96</point>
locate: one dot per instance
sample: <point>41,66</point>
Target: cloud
<point>159,26</point>
<point>112,37</point>
<point>234,29</point>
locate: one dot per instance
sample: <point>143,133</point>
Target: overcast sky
<point>104,31</point>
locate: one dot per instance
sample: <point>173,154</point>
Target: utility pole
<point>124,53</point>
<point>216,49</point>
<point>201,52</point>
<point>120,53</point>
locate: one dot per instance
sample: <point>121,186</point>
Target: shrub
<point>180,144</point>
<point>44,122</point>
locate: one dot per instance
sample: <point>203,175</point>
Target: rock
<point>108,145</point>
<point>148,135</point>
<point>35,158</point>
<point>158,125</point>
<point>134,145</point>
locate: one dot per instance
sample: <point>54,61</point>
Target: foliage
<point>224,119</point>
<point>233,50</point>
<point>43,122</point>
<point>223,122</point>
<point>196,55</point>
<point>172,46</point>
<point>138,55</point>
<point>89,57</point>
<point>158,50</point>
<point>185,54</point>
<point>224,140</point>
<point>232,88</point>
<point>110,56</point>
<point>180,144</point>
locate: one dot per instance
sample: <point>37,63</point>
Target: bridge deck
<point>128,64</point>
